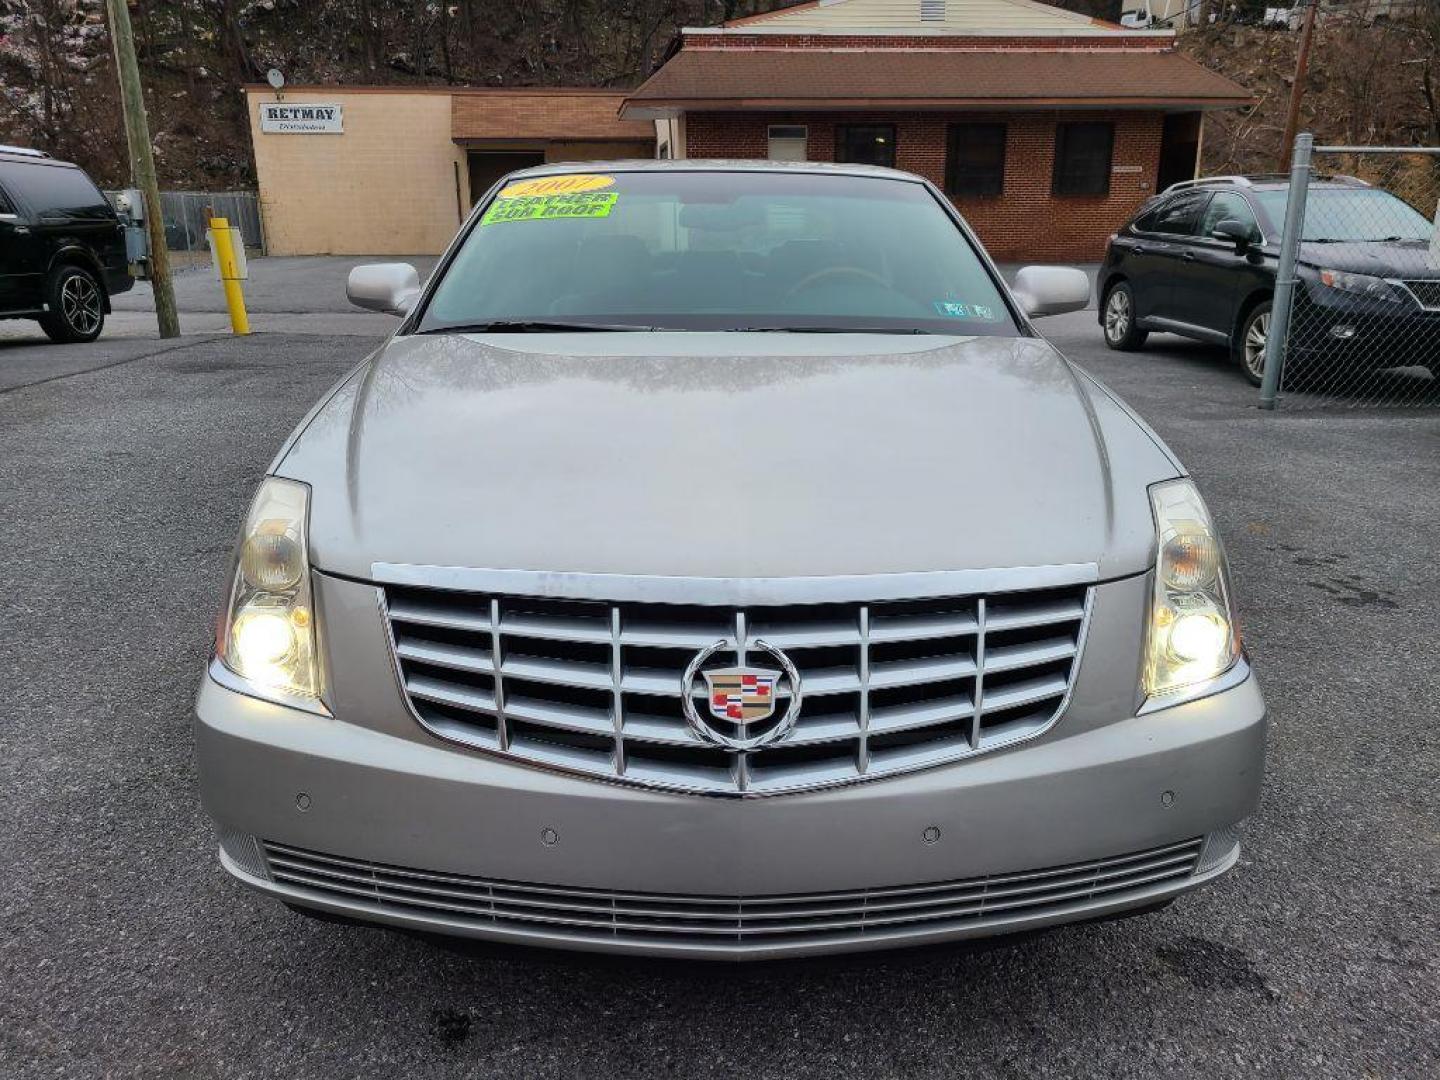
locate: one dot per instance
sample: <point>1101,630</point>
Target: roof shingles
<point>820,78</point>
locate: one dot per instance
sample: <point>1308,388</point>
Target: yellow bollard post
<point>229,275</point>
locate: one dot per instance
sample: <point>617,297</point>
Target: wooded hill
<point>1368,84</point>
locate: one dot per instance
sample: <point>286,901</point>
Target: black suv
<point>62,247</point>
<point>1200,260</point>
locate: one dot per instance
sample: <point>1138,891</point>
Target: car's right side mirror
<point>1051,290</point>
<point>1234,232</point>
<point>387,287</point>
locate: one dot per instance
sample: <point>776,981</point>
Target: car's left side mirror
<point>1234,232</point>
<point>387,287</point>
<point>1051,290</point>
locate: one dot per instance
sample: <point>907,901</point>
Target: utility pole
<point>1297,88</point>
<point>142,164</point>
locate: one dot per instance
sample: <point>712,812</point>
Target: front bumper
<point>1329,327</point>
<point>412,833</point>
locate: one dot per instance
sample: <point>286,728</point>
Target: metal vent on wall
<point>932,10</point>
<point>595,687</point>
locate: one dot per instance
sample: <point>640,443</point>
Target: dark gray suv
<point>1200,260</point>
<point>62,247</point>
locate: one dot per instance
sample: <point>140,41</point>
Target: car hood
<point>1402,259</point>
<point>725,455</point>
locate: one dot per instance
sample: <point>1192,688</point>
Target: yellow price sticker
<point>569,184</point>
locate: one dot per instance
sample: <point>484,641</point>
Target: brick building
<point>1046,128</point>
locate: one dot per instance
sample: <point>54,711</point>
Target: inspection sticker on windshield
<point>951,310</point>
<point>585,204</point>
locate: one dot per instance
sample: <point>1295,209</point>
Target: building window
<point>975,159</point>
<point>866,144</point>
<point>1082,159</point>
<point>788,142</point>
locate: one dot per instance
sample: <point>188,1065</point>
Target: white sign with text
<point>283,118</point>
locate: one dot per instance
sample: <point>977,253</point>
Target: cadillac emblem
<point>744,695</point>
<point>741,701</point>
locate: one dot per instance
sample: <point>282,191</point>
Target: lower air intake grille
<point>598,688</point>
<point>658,918</point>
<point>1427,292</point>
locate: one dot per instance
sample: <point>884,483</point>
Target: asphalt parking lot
<point>125,467</point>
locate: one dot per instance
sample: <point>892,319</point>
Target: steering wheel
<point>836,271</point>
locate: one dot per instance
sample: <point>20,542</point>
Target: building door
<point>1179,149</point>
<point>487,166</point>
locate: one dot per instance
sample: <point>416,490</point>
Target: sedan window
<point>719,250</point>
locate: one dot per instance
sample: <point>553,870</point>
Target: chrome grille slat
<point>554,672</point>
<point>449,656</point>
<point>449,694</point>
<point>411,611</point>
<point>1006,615</point>
<point>884,676</point>
<point>920,627</point>
<point>1010,657</point>
<point>553,714</point>
<point>594,687</point>
<point>853,913</point>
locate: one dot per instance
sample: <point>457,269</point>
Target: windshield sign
<point>717,250</point>
<point>1351,215</point>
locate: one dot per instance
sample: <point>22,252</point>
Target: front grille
<point>678,920</point>
<point>1427,292</point>
<point>595,687</point>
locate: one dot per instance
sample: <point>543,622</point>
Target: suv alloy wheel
<point>77,306</point>
<point>1248,348</point>
<point>1120,329</point>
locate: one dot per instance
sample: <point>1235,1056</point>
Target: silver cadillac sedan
<point>716,563</point>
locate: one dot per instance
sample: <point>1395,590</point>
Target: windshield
<point>713,250</point>
<point>1350,215</point>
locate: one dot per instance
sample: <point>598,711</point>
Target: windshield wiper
<point>1364,240</point>
<point>537,326</point>
<point>826,330</point>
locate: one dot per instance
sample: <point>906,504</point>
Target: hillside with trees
<point>1370,82</point>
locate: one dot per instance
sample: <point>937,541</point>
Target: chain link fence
<point>183,213</point>
<point>1356,313</point>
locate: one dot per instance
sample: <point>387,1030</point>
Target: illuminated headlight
<point>267,633</point>
<point>1192,637</point>
<point>1371,288</point>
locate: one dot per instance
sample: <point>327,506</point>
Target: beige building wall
<point>386,186</point>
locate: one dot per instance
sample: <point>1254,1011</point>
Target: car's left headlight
<point>267,631</point>
<point>1192,637</point>
<point>1362,285</point>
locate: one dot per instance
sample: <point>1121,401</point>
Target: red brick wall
<point>1025,222</point>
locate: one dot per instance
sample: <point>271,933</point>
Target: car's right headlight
<point>267,632</point>
<point>1362,285</point>
<point>1192,636</point>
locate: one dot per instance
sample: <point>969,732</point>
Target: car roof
<point>718,165</point>
<point>1263,182</point>
<point>10,157</point>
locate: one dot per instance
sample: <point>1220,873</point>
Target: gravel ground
<point>127,952</point>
